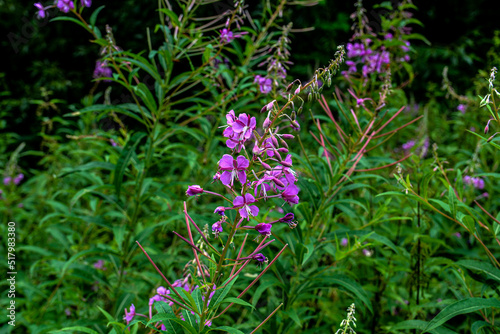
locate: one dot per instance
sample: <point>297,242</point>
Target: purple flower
<point>462,108</point>
<point>233,168</point>
<point>290,194</point>
<point>458,235</point>
<point>226,36</point>
<point>344,242</point>
<point>408,145</point>
<point>7,180</point>
<point>99,265</point>
<point>217,228</point>
<point>264,83</point>
<point>260,258</point>
<point>18,179</point>
<point>220,210</point>
<point>388,36</point>
<point>65,5</point>
<point>239,130</point>
<point>264,228</point>
<point>289,217</point>
<point>246,210</point>
<point>477,182</point>
<point>41,10</point>
<point>129,315</point>
<point>86,3</point>
<point>162,291</point>
<point>194,190</point>
<point>67,311</point>
<point>102,70</point>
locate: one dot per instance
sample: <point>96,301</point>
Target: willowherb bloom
<point>462,108</point>
<point>238,130</point>
<point>65,5</point>
<point>217,228</point>
<point>7,180</point>
<point>102,70</point>
<point>99,265</point>
<point>264,228</point>
<point>265,84</point>
<point>245,208</point>
<point>227,36</point>
<point>477,182</point>
<point>194,190</point>
<point>290,194</point>
<point>408,145</point>
<point>259,257</point>
<point>86,3</point>
<point>129,315</point>
<point>344,242</point>
<point>220,210</point>
<point>18,179</point>
<point>41,10</point>
<point>233,168</point>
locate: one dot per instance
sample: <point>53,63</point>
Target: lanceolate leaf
<point>463,306</point>
<point>127,153</point>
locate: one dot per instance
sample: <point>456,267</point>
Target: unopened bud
<point>278,182</point>
<point>286,164</point>
<point>297,91</point>
<point>288,136</point>
<point>275,141</point>
<point>266,166</point>
<point>283,143</point>
<point>283,150</point>
<point>267,122</point>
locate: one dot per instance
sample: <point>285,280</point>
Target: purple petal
<point>249,198</point>
<point>225,178</point>
<point>226,163</point>
<point>243,213</point>
<point>254,210</point>
<point>239,202</point>
<point>242,162</point>
<point>242,176</point>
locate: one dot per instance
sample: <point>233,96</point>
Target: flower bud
<point>194,190</point>
<point>283,150</point>
<point>278,182</point>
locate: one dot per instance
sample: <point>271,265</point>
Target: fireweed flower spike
<point>233,168</point>
<point>246,210</point>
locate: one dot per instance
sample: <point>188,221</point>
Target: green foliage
<point>398,211</point>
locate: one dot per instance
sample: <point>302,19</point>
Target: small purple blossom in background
<point>246,210</point>
<point>367,252</point>
<point>408,145</point>
<point>226,36</point>
<point>67,311</point>
<point>344,242</point>
<point>217,228</point>
<point>129,315</point>
<point>462,108</point>
<point>477,182</point>
<point>260,258</point>
<point>18,179</point>
<point>113,143</point>
<point>194,190</point>
<point>99,265</point>
<point>458,235</point>
<point>65,5</point>
<point>41,10</point>
<point>102,70</point>
<point>6,180</point>
<point>86,3</point>
<point>266,84</point>
<point>264,228</point>
<point>220,210</point>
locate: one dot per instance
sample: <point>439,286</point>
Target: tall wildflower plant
<point>152,100</point>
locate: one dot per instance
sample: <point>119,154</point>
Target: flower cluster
<point>477,182</point>
<point>250,186</point>
<point>102,70</point>
<point>16,180</point>
<point>64,6</point>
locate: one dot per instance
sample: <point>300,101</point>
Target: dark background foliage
<point>59,58</point>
